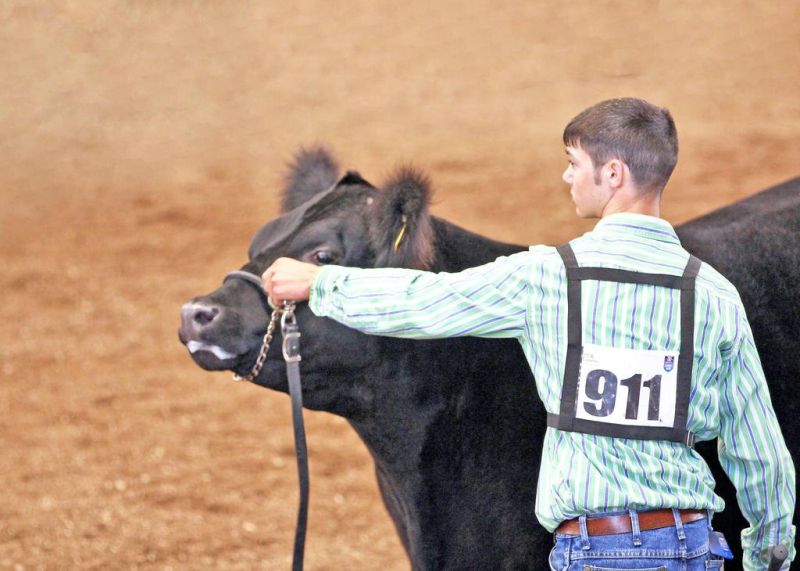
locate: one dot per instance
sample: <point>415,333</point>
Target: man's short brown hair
<point>638,133</point>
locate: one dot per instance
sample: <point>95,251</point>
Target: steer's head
<point>325,220</point>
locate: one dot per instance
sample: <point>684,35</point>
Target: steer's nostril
<point>204,315</point>
<point>196,316</point>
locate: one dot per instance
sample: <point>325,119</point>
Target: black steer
<point>454,426</point>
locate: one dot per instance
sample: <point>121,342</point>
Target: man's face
<point>588,193</point>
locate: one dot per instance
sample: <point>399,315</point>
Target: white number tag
<point>631,387</point>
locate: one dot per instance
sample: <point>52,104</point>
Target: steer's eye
<point>323,257</point>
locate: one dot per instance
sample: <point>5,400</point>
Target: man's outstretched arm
<point>489,300</point>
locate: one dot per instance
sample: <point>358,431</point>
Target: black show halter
<point>291,354</point>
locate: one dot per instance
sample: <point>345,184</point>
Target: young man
<point>638,350</point>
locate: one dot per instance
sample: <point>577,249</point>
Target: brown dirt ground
<point>143,143</point>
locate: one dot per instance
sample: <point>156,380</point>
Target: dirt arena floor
<point>143,143</point>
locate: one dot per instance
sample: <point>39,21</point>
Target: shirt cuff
<point>321,288</point>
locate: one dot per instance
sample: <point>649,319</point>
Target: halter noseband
<point>252,279</point>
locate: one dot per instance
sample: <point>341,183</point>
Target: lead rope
<point>291,354</point>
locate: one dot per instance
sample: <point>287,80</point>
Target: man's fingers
<point>291,290</point>
<point>288,279</point>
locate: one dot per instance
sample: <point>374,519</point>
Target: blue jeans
<point>682,547</point>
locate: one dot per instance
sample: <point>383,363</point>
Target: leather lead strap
<point>291,354</point>
<point>296,393</point>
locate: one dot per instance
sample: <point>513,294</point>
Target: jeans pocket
<point>717,564</point>
<point>550,558</point>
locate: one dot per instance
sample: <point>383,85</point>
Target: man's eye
<point>323,257</point>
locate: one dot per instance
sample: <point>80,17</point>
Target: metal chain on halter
<point>287,308</point>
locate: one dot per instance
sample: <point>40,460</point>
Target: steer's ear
<point>401,231</point>
<point>311,171</point>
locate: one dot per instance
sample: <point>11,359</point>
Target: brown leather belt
<point>609,525</point>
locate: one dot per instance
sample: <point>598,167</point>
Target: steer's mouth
<point>210,356</point>
<point>214,357</point>
<point>220,353</point>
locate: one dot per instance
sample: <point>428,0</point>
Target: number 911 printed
<point>631,387</point>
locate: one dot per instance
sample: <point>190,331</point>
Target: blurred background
<point>142,143</point>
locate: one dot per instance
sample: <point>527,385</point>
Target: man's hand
<point>289,280</point>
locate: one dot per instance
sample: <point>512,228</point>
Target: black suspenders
<point>566,419</point>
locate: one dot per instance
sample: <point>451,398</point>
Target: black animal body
<point>454,426</point>
<point>755,243</point>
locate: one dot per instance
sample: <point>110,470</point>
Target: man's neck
<point>635,202</point>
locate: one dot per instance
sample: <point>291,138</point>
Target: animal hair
<point>403,201</point>
<point>311,171</point>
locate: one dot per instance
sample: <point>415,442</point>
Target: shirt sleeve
<point>753,452</point>
<point>485,301</point>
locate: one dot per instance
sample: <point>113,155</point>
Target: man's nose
<point>566,176</point>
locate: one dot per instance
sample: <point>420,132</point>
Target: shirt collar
<point>650,227</point>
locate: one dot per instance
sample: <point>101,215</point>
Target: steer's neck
<point>447,415</point>
<point>457,248</point>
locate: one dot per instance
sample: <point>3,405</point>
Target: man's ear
<point>615,173</point>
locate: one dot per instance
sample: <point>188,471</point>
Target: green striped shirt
<point>524,296</point>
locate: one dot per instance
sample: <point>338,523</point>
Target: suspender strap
<point>686,357</point>
<point>574,341</point>
<point>685,283</point>
<point>626,277</point>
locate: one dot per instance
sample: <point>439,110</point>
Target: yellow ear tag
<point>400,236</point>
